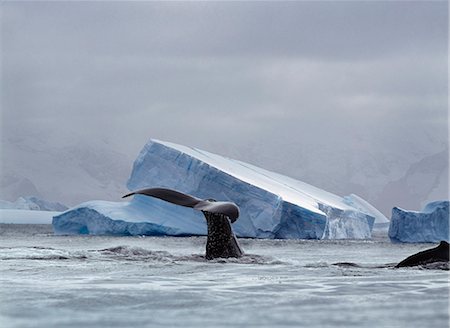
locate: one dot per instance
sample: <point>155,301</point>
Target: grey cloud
<point>325,29</point>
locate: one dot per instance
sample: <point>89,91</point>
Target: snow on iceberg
<point>271,205</point>
<point>429,225</point>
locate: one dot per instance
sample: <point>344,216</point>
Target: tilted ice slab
<point>271,205</point>
<point>429,225</point>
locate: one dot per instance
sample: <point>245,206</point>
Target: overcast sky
<point>221,75</point>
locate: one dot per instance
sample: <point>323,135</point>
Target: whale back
<point>436,254</point>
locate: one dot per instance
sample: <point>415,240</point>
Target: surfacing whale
<point>221,241</point>
<point>437,254</point>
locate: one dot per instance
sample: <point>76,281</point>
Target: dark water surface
<point>93,281</point>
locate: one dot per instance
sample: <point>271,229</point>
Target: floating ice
<point>32,203</point>
<point>271,205</point>
<point>15,216</point>
<point>429,225</point>
<point>381,222</point>
<point>129,218</point>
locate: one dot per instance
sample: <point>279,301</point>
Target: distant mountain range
<point>66,171</point>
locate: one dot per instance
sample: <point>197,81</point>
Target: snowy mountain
<point>65,170</point>
<point>424,181</point>
<point>32,203</point>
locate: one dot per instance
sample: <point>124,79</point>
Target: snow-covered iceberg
<point>427,226</point>
<point>32,203</point>
<point>271,205</point>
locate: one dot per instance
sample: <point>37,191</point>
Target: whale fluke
<point>168,195</point>
<point>221,240</point>
<point>231,210</point>
<point>437,254</point>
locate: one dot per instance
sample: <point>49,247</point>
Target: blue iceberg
<point>428,226</point>
<point>271,205</point>
<point>127,219</point>
<point>381,222</point>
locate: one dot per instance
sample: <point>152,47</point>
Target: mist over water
<point>55,281</point>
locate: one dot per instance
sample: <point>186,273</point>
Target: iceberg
<point>45,205</point>
<point>427,226</point>
<point>381,222</point>
<point>271,205</point>
<point>133,218</point>
<point>21,216</point>
<point>32,203</point>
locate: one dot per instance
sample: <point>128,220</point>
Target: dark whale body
<point>437,254</point>
<point>221,242</point>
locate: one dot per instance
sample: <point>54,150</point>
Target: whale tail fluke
<point>231,210</point>
<point>171,196</point>
<point>221,242</point>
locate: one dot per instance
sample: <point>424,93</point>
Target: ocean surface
<point>94,281</point>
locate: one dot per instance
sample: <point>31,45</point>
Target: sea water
<point>99,281</point>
